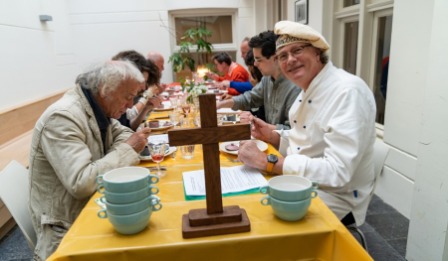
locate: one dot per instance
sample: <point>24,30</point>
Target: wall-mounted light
<point>45,18</point>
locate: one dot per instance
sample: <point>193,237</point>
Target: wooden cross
<point>214,220</point>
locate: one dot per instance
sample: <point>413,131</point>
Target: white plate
<point>171,150</point>
<point>227,111</point>
<point>164,109</point>
<point>162,126</point>
<point>166,106</point>
<point>260,144</point>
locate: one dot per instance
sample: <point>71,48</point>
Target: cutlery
<point>163,168</point>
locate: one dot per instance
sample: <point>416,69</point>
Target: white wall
<point>40,59</point>
<point>427,238</point>
<point>37,58</point>
<point>404,105</point>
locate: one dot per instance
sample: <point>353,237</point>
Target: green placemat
<point>246,192</point>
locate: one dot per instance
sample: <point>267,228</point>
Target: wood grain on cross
<point>209,135</point>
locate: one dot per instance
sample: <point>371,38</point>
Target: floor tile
<point>389,225</point>
<point>14,246</point>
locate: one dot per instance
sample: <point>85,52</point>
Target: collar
<point>101,118</point>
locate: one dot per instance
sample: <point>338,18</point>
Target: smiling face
<point>300,63</point>
<point>115,103</point>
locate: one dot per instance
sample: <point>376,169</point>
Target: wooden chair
<point>14,192</point>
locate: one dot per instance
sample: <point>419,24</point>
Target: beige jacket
<point>67,155</point>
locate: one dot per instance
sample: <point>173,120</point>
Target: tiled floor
<point>385,229</point>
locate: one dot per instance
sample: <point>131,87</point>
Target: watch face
<point>272,158</point>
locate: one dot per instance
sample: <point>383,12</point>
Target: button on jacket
<point>331,140</point>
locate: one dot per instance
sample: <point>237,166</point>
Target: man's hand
<point>262,130</point>
<point>251,156</point>
<point>154,102</point>
<point>139,139</point>
<point>225,104</point>
<point>226,96</point>
<point>245,117</point>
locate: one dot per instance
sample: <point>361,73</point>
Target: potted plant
<point>184,59</point>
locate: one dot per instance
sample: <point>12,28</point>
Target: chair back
<point>380,152</point>
<point>14,192</point>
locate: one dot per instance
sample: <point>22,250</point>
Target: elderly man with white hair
<point>76,139</point>
<point>332,126</point>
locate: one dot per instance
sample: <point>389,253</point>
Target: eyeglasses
<point>295,52</point>
<point>259,60</point>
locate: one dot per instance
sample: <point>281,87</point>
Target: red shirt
<point>238,74</point>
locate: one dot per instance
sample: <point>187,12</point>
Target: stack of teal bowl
<point>289,196</point>
<point>128,198</point>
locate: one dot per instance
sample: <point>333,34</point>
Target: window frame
<point>367,13</point>
<point>232,47</point>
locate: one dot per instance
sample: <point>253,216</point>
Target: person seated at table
<point>76,139</point>
<point>332,126</point>
<point>274,91</point>
<point>255,73</point>
<point>159,61</point>
<point>231,71</point>
<point>237,85</point>
<point>244,47</point>
<point>145,101</point>
<point>254,77</point>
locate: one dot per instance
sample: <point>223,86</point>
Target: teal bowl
<point>152,202</point>
<point>287,210</point>
<point>129,197</point>
<point>126,179</point>
<point>132,223</point>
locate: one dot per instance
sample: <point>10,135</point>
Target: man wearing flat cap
<point>332,126</point>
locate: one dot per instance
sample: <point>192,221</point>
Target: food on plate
<point>153,124</point>
<point>232,147</point>
<point>159,124</point>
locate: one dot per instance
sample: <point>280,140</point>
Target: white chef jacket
<point>331,140</point>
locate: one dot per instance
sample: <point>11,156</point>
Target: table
<point>318,236</point>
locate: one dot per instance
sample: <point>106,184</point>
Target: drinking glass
<point>174,101</point>
<point>174,118</point>
<point>157,151</point>
<point>186,107</point>
<point>187,151</point>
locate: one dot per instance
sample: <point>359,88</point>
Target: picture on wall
<point>301,11</point>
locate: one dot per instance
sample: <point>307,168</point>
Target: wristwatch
<point>272,159</point>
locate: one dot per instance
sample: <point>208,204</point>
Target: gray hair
<point>106,77</point>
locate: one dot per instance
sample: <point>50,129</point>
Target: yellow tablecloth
<point>318,236</point>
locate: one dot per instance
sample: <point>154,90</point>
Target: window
<point>350,46</point>
<point>348,3</point>
<point>220,26</point>
<point>221,22</point>
<point>362,40</point>
<point>384,33</point>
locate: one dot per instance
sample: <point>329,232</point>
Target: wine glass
<point>157,151</point>
<point>174,100</point>
<point>186,107</point>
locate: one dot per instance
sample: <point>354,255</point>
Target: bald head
<point>158,59</point>
<point>244,47</point>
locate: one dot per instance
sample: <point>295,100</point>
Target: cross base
<point>197,223</point>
